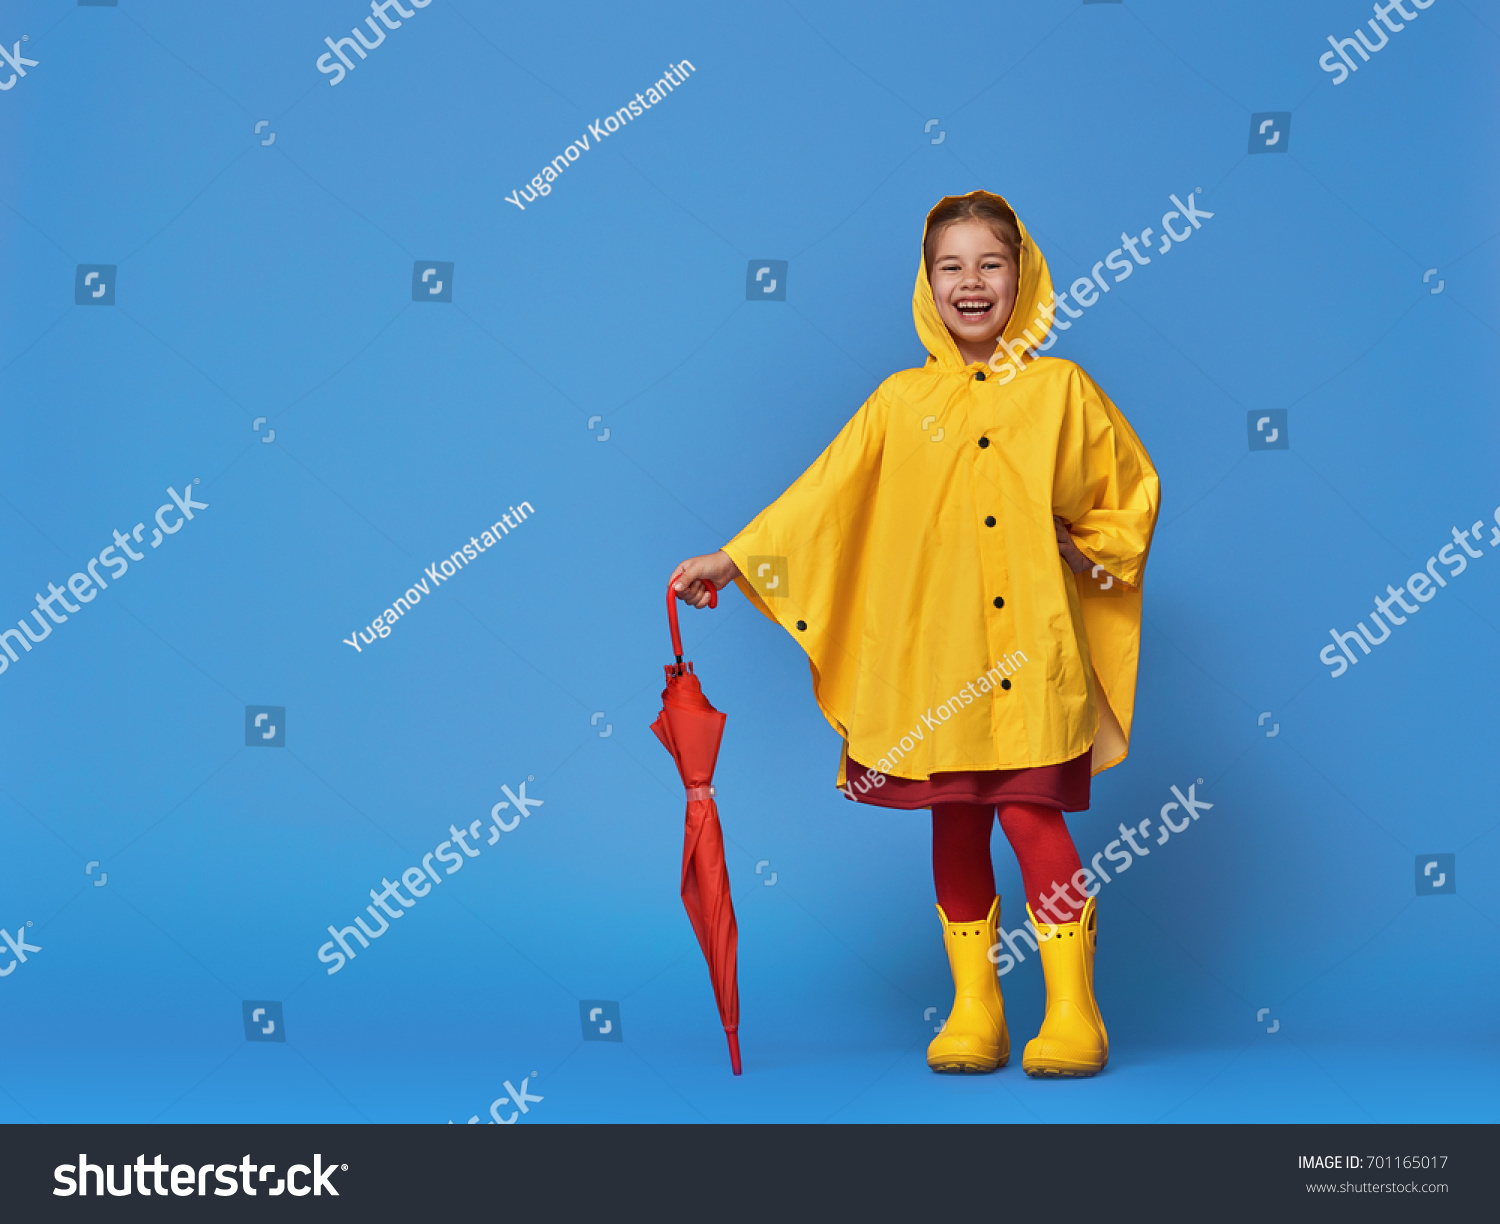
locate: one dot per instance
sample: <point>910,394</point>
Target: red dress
<point>1064,786</point>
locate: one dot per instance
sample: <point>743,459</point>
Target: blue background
<point>273,280</point>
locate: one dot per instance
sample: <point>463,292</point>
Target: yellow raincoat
<point>916,560</point>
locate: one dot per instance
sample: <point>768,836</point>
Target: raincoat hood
<point>1030,319</point>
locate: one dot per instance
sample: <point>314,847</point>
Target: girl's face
<point>973,280</point>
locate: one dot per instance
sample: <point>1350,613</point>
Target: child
<point>932,564</point>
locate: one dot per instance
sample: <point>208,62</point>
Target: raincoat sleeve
<point>1106,489</point>
<point>1104,485</point>
<point>800,559</point>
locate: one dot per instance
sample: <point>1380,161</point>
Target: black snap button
<point>979,377</point>
<point>999,603</point>
<point>1005,684</point>
<point>983,442</point>
<point>801,624</point>
<point>989,520</point>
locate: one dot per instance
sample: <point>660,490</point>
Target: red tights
<point>961,866</point>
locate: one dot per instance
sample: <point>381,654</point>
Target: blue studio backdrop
<point>289,318</point>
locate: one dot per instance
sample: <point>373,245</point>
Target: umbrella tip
<point>734,1051</point>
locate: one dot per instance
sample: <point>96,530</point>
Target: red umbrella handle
<point>673,595</point>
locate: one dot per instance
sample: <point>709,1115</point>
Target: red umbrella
<point>690,729</point>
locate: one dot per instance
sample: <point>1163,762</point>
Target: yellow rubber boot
<point>974,1039</point>
<point>1072,1041</point>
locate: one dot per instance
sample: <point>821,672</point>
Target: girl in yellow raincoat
<point>963,567</point>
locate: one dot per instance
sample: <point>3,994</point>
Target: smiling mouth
<point>973,308</point>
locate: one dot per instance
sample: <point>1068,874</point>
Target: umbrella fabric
<point>691,729</point>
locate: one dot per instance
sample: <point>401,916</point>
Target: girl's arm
<point>1077,562</point>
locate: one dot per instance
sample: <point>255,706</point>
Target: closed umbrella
<point>690,729</point>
